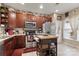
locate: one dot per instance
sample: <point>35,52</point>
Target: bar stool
<point>52,49</point>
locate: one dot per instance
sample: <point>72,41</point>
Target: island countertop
<point>9,36</point>
<point>46,36</point>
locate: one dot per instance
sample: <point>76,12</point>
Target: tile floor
<point>30,54</point>
<point>63,50</point>
<point>66,50</point>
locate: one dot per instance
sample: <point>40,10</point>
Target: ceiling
<point>48,8</point>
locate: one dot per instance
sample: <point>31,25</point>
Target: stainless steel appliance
<point>30,26</point>
<point>30,29</point>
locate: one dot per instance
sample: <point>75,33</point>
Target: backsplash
<point>19,30</point>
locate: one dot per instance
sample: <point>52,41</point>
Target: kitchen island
<point>47,45</point>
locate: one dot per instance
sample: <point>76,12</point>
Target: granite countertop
<point>9,36</point>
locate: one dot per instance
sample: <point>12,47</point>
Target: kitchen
<point>25,28</point>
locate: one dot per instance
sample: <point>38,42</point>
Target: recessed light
<point>56,10</point>
<point>41,6</point>
<point>22,3</point>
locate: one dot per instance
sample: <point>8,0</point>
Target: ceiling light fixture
<point>41,6</point>
<point>56,10</point>
<point>22,3</point>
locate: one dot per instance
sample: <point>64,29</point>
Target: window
<point>67,30</point>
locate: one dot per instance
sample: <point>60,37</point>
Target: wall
<point>56,27</point>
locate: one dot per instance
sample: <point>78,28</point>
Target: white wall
<point>56,27</point>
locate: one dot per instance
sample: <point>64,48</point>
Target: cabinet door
<point>21,41</point>
<point>20,20</point>
<point>1,48</point>
<point>12,19</point>
<point>8,49</point>
<point>8,46</point>
<point>14,42</point>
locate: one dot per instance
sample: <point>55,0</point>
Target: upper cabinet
<point>20,20</point>
<point>39,21</point>
<point>12,19</point>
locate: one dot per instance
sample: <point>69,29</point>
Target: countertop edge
<point>10,36</point>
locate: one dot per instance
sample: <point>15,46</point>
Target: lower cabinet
<point>1,48</point>
<point>8,49</point>
<point>21,42</point>
<point>9,45</point>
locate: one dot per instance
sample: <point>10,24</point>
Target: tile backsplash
<point>19,30</point>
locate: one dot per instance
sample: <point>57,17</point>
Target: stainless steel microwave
<point>30,25</point>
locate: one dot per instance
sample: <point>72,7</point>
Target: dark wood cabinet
<point>21,43</point>
<point>8,46</point>
<point>20,20</point>
<point>21,17</point>
<point>12,19</point>
<point>11,44</point>
<point>1,48</point>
